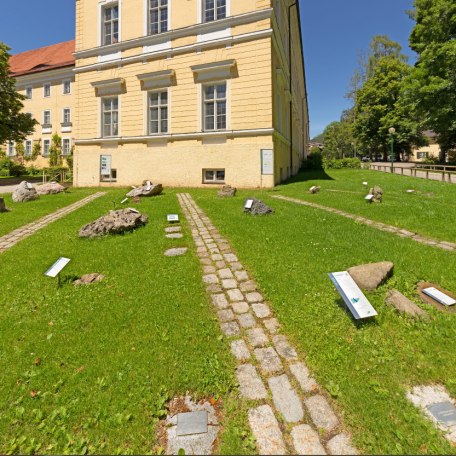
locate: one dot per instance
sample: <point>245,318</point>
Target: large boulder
<point>24,192</point>
<point>403,305</point>
<point>116,222</point>
<point>371,276</point>
<point>2,206</point>
<point>258,208</point>
<point>146,190</point>
<point>51,188</point>
<point>377,193</point>
<point>227,191</point>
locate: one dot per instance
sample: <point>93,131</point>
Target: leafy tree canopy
<point>14,125</point>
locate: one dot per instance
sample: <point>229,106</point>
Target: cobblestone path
<point>451,246</point>
<point>290,413</point>
<point>9,240</point>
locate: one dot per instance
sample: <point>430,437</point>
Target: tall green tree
<point>339,141</point>
<point>429,92</point>
<point>14,125</point>
<point>376,107</point>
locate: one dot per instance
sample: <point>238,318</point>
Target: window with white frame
<point>46,118</point>
<point>47,90</point>
<point>66,146</point>
<point>214,10</point>
<point>28,148</point>
<point>158,16</point>
<point>29,93</point>
<point>11,148</point>
<point>66,115</point>
<point>110,24</point>
<point>158,112</point>
<point>110,116</point>
<point>214,109</point>
<point>213,176</point>
<point>46,147</point>
<point>422,155</point>
<point>66,87</point>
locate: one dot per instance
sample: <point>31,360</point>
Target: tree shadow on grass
<point>308,175</point>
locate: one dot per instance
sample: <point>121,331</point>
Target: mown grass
<point>428,211</point>
<point>23,213</point>
<point>89,369</point>
<point>367,367</point>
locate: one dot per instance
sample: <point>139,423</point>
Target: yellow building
<point>45,77</point>
<point>188,92</point>
<point>431,151</point>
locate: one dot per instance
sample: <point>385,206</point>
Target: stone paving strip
<point>450,246</point>
<point>289,413</point>
<point>9,240</point>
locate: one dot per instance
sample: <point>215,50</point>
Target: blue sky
<point>335,31</point>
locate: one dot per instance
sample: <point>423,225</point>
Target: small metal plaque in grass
<point>191,423</point>
<point>443,412</point>
<point>172,218</point>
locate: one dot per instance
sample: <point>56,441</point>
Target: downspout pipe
<point>291,87</point>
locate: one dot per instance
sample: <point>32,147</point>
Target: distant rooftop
<point>52,57</point>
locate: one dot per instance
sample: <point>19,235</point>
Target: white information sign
<point>148,185</point>
<point>365,183</point>
<point>124,201</point>
<point>173,218</point>
<point>267,161</point>
<point>358,304</point>
<point>248,204</point>
<point>29,185</point>
<point>57,267</point>
<point>105,165</point>
<point>369,197</point>
<point>313,188</point>
<point>440,297</point>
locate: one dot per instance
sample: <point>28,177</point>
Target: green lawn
<point>366,367</point>
<point>23,213</point>
<point>89,368</point>
<point>429,211</point>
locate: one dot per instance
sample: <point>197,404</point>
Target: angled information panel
<point>172,218</point>
<point>55,269</point>
<point>440,297</point>
<point>358,304</point>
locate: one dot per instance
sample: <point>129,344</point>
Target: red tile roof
<point>58,55</point>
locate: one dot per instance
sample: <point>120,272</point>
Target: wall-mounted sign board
<point>105,165</point>
<point>57,267</point>
<point>248,204</point>
<point>440,297</point>
<point>267,161</point>
<point>172,218</point>
<point>358,304</point>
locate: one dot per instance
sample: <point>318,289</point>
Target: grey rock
<point>341,445</point>
<point>240,350</point>
<point>250,384</point>
<point>176,252</point>
<point>116,222</point>
<point>173,229</point>
<point>315,189</point>
<point>306,440</point>
<point>175,236</point>
<point>22,193</point>
<point>51,188</point>
<point>269,360</point>
<point>378,194</point>
<point>402,304</point>
<point>285,399</point>
<point>227,191</point>
<point>258,208</point>
<point>87,279</point>
<point>371,276</point>
<point>321,413</point>
<point>144,190</point>
<point>266,431</point>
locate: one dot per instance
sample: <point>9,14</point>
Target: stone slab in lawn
<point>371,276</point>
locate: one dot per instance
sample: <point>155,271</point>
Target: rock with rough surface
<point>378,194</point>
<point>116,222</point>
<point>314,190</point>
<point>87,279</point>
<point>258,208</point>
<point>227,191</point>
<point>23,193</point>
<point>2,205</point>
<point>146,190</point>
<point>397,300</point>
<point>51,188</point>
<point>371,276</point>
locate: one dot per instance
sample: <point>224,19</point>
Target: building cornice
<point>44,76</point>
<point>177,137</point>
<point>175,51</point>
<point>205,27</point>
